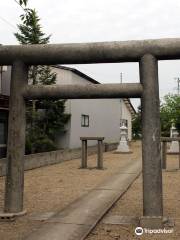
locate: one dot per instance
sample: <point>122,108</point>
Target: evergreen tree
<point>170,113</point>
<point>46,117</point>
<point>22,2</point>
<point>30,33</point>
<point>136,125</point>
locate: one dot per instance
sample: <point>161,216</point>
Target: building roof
<point>129,106</point>
<point>74,70</point>
<point>4,100</point>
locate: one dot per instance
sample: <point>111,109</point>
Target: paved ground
<point>79,218</point>
<point>52,188</point>
<point>131,205</point>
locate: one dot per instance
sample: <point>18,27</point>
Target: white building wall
<point>104,120</point>
<point>68,77</point>
<point>63,76</point>
<point>78,80</point>
<point>104,115</point>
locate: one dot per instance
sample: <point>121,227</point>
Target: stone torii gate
<point>146,52</point>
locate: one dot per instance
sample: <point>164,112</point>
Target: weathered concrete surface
<point>77,220</point>
<point>121,220</point>
<point>151,147</point>
<point>96,52</point>
<point>89,91</point>
<point>14,185</point>
<point>48,158</point>
<point>152,222</point>
<point>128,174</point>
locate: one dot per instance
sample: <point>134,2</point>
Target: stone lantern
<point>123,146</point>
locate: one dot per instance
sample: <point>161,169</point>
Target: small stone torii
<point>99,151</point>
<point>146,53</point>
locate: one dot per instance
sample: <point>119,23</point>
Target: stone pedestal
<point>174,147</point>
<point>152,222</point>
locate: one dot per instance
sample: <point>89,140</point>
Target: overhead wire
<point>19,4</point>
<point>9,23</point>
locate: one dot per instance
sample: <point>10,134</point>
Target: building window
<point>84,120</point>
<point>124,122</point>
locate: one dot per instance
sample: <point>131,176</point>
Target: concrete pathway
<point>79,218</point>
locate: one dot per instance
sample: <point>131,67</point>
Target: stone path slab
<point>121,220</point>
<point>79,218</point>
<point>122,179</point>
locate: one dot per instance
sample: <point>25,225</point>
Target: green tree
<point>136,124</point>
<point>46,117</point>
<point>23,2</point>
<point>170,113</point>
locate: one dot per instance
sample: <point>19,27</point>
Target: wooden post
<point>14,186</point>
<point>100,155</point>
<point>84,154</point>
<point>164,154</point>
<point>151,153</point>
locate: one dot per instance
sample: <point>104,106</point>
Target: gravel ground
<point>51,188</point>
<point>131,205</point>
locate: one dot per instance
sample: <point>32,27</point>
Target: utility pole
<point>178,84</point>
<point>121,101</point>
<point>1,70</point>
<point>121,76</point>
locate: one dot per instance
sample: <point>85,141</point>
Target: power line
<point>178,84</point>
<point>121,79</point>
<point>6,21</point>
<point>19,5</point>
<point>9,23</point>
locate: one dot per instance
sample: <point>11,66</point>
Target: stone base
<point>171,170</point>
<point>11,216</point>
<point>19,214</point>
<point>92,168</point>
<point>174,148</point>
<point>119,152</point>
<point>6,217</point>
<point>173,153</point>
<point>152,222</point>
